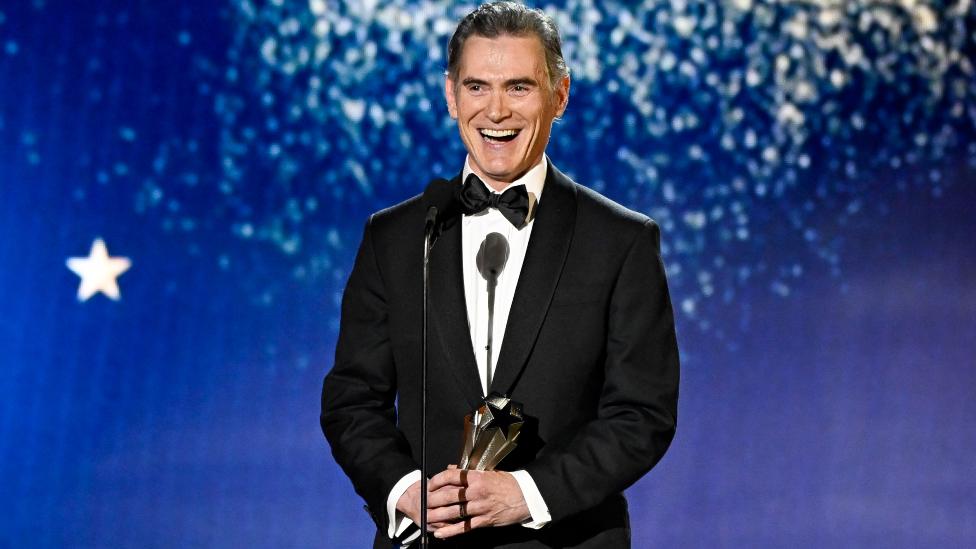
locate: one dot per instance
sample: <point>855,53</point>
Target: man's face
<point>504,105</point>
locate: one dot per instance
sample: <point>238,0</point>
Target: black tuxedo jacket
<point>589,350</point>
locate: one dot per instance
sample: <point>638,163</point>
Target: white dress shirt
<point>474,229</point>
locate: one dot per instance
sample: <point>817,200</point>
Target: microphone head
<point>492,256</point>
<point>439,194</point>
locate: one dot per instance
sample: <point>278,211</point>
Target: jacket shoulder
<point>397,221</point>
<point>606,216</point>
<point>398,213</point>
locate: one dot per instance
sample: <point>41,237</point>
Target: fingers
<point>448,505</point>
<point>445,515</point>
<point>448,495</point>
<point>449,477</point>
<point>489,499</point>
<point>458,501</point>
<point>446,492</point>
<point>452,514</point>
<point>461,527</point>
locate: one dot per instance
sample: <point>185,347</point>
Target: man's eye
<point>520,89</point>
<point>475,88</point>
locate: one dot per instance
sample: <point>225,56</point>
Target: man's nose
<point>498,107</point>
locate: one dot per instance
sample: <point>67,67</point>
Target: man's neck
<point>498,186</point>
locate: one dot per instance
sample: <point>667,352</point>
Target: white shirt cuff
<point>533,500</point>
<point>399,522</point>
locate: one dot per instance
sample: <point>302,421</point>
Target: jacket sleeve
<point>637,410</point>
<point>359,393</point>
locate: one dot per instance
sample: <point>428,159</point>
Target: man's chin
<point>502,177</point>
<point>500,170</point>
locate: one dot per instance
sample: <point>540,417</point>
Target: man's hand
<point>458,501</point>
<point>409,503</point>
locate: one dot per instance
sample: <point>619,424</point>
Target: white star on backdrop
<point>98,271</point>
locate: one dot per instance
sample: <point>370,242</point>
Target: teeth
<point>498,133</point>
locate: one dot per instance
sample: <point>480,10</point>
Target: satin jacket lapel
<point>449,314</point>
<point>544,260</point>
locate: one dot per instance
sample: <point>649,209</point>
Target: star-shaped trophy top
<point>502,413</point>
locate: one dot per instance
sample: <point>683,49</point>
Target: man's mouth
<point>498,136</point>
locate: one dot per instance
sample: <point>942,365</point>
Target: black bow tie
<point>513,203</point>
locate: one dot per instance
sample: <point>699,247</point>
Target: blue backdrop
<point>811,165</point>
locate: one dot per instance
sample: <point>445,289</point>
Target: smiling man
<point>576,325</point>
<point>504,99</point>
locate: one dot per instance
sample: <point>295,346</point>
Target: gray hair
<point>512,19</point>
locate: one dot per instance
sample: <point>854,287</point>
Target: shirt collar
<point>534,180</point>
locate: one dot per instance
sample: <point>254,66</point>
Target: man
<point>581,309</point>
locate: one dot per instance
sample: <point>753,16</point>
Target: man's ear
<point>450,98</point>
<point>562,96</point>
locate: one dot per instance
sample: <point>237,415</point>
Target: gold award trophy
<point>490,433</point>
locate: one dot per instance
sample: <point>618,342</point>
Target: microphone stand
<point>492,283</point>
<point>428,234</point>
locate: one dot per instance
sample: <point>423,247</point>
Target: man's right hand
<point>409,503</point>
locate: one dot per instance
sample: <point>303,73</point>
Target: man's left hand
<point>460,500</point>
